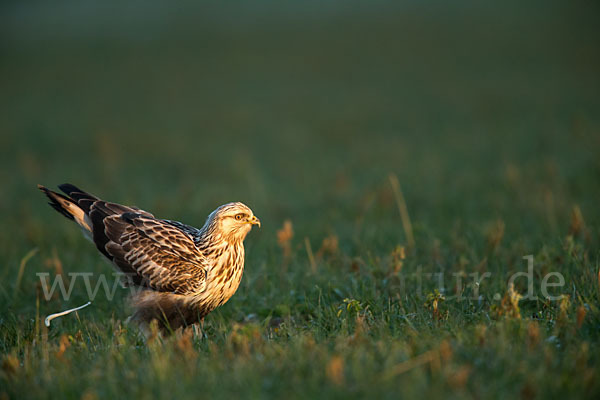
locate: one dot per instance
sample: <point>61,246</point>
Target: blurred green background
<point>300,108</point>
<point>488,114</point>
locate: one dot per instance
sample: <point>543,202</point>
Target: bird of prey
<point>183,273</point>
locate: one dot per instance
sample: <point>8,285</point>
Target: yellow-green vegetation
<point>403,161</point>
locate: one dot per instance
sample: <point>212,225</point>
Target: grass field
<point>488,118</point>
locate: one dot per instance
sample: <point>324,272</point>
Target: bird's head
<point>233,221</point>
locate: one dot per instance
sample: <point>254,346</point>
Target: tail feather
<point>67,207</point>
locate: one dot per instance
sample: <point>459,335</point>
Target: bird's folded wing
<point>162,256</point>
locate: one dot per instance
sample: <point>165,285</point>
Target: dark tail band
<point>55,201</point>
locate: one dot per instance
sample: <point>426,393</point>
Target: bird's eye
<point>239,217</point>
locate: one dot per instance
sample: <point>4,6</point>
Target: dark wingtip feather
<point>69,188</point>
<point>83,199</point>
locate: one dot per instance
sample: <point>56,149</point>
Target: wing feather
<point>163,257</point>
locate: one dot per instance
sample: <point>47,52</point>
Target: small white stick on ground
<point>60,314</point>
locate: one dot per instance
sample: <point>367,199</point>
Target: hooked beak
<point>254,221</point>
